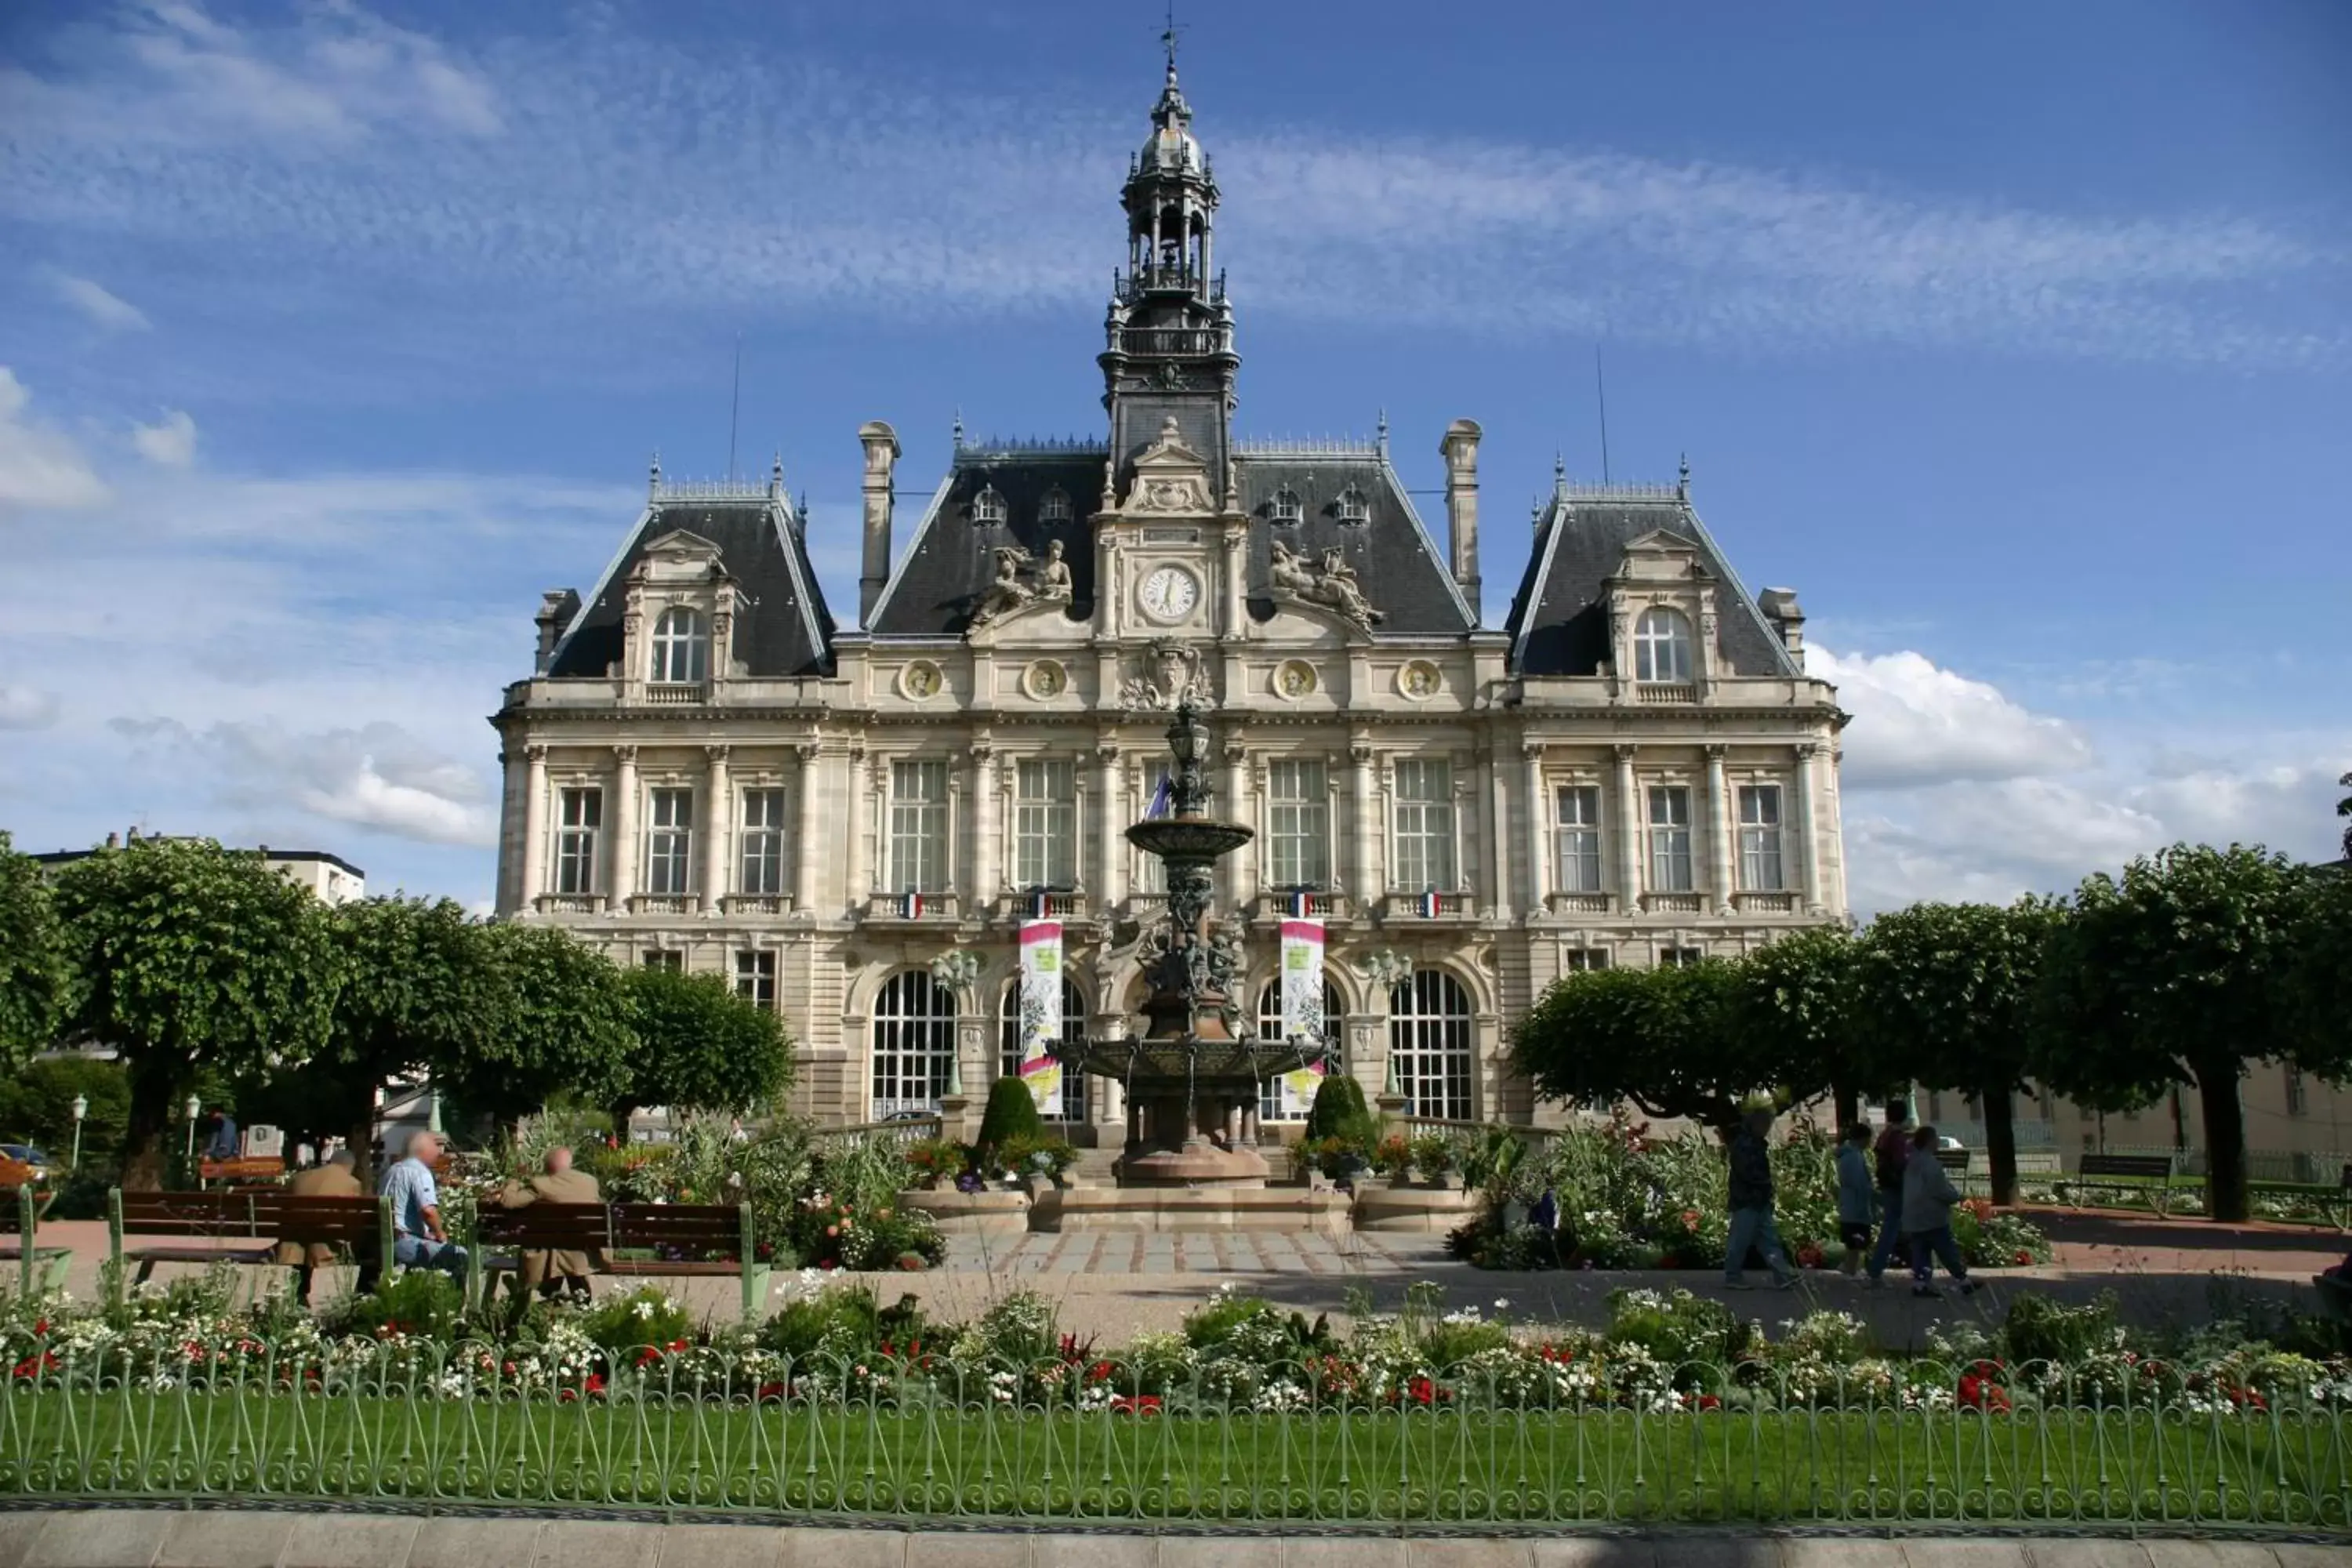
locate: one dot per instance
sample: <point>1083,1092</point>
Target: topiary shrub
<point>1338,1111</point>
<point>1012,1113</point>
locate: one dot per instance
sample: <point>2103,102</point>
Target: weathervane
<point>1168,37</point>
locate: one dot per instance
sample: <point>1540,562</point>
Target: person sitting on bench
<point>418,1241</point>
<point>332,1180</point>
<point>553,1273</point>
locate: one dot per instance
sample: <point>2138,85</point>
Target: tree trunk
<point>145,1131</point>
<point>1848,1104</point>
<point>2001,1140</point>
<point>360,1139</point>
<point>2225,1139</point>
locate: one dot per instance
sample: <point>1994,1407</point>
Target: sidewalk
<point>143,1538</point>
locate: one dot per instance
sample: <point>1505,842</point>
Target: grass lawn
<point>1417,1465</point>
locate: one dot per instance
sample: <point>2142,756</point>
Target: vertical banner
<point>1041,1013</point>
<point>1302,1009</point>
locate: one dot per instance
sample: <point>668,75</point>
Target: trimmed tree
<point>699,1046</point>
<point>1946,994</point>
<point>192,957</point>
<point>1793,1004</point>
<point>33,967</point>
<point>1659,1038</point>
<point>1011,1112</point>
<point>558,1022</point>
<point>2319,978</point>
<point>2175,974</point>
<point>1339,1109</point>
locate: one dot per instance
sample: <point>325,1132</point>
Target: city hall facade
<point>705,770</point>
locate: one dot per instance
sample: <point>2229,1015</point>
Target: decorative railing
<point>1760,903</point>
<point>571,903</point>
<point>676,693</point>
<point>1306,446</point>
<point>759,903</point>
<point>1069,906</point>
<point>1664,691</point>
<point>919,1119</point>
<point>1429,906</point>
<point>1578,903</point>
<point>1512,1443</point>
<point>662,904</point>
<point>1674,903</point>
<point>1170,341</point>
<point>927,907</point>
<point>1319,906</point>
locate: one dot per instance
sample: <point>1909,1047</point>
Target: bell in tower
<point>1170,349</point>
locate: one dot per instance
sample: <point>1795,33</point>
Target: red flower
<point>1709,1402</point>
<point>33,1366</point>
<point>1811,1256</point>
<point>1422,1391</point>
<point>772,1393</point>
<point>2022,1258</point>
<point>1135,1404</point>
<point>1978,1390</point>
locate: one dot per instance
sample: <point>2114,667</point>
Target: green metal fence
<point>1496,1448</point>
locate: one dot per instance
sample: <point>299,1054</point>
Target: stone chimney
<point>1460,449</point>
<point>556,608</point>
<point>881,444</point>
<point>1780,607</point>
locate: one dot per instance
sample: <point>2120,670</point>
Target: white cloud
<point>170,440</point>
<point>102,307</point>
<point>1916,722</point>
<point>378,777</point>
<point>26,708</point>
<point>39,465</point>
<point>347,149</point>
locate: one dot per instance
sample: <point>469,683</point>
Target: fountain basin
<point>1192,1209</point>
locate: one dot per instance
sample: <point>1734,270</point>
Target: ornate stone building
<point>705,771</point>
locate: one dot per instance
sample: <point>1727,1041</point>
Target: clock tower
<point>1169,352</point>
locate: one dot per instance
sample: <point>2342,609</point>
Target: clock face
<point>1169,593</point>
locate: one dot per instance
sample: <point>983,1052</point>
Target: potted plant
<point>1392,1159</point>
<point>1433,1157</point>
<point>936,1160</point>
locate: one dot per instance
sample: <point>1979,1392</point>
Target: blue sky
<point>2017,338</point>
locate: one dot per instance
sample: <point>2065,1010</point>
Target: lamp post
<point>192,1108</point>
<point>80,1110</point>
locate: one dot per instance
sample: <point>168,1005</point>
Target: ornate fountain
<point>1193,1079</point>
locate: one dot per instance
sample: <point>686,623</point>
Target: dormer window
<point>1352,506</point>
<point>681,647</point>
<point>1662,646</point>
<point>1055,508</point>
<point>988,508</point>
<point>1287,507</point>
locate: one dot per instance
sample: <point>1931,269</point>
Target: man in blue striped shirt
<point>418,1241</point>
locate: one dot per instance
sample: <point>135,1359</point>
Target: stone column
<point>1538,815</point>
<point>1628,832</point>
<point>804,850</point>
<point>1809,876</point>
<point>863,816</point>
<point>986,873</point>
<point>718,818</point>
<point>1242,862</point>
<point>1719,830</point>
<point>1110,883</point>
<point>1365,871</point>
<point>534,828</point>
<point>623,883</point>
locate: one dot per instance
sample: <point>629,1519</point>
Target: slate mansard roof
<point>783,630</point>
<point>1558,623</point>
<point>938,584</point>
<point>1390,552</point>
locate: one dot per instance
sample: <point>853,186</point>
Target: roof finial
<point>959,427</point>
<point>1682,483</point>
<point>776,474</point>
<point>652,476</point>
<point>1384,433</point>
<point>1558,470</point>
<point>1168,41</point>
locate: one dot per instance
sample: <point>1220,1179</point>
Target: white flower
<point>1502,1304</point>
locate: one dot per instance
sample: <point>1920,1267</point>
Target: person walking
<point>1856,1200</point>
<point>1928,1199</point>
<point>1890,1152</point>
<point>552,1273</point>
<point>332,1180</point>
<point>1751,1205</point>
<point>417,1240</point>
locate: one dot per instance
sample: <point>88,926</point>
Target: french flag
<point>1429,904</point>
<point>1163,799</point>
<point>1298,903</point>
<point>910,904</point>
<point>1038,902</point>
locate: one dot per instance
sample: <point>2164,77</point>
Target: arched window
<point>1662,645</point>
<point>914,1044</point>
<point>1074,1029</point>
<point>1286,507</point>
<point>988,506</point>
<point>681,646</point>
<point>1429,1041</point>
<point>1272,1105</point>
<point>1055,507</point>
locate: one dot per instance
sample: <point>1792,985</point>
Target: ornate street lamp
<point>80,1110</point>
<point>191,1109</point>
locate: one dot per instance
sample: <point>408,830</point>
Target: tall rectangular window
<point>1582,959</point>
<point>2297,1100</point>
<point>762,873</point>
<point>579,821</point>
<point>1579,838</point>
<point>1670,840</point>
<point>755,977</point>
<point>665,958</point>
<point>1759,838</point>
<point>1679,957</point>
<point>1046,823</point>
<point>1299,812</point>
<point>669,841</point>
<point>919,826</point>
<point>1424,827</point>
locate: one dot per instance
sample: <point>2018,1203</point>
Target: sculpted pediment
<point>1171,479</point>
<point>678,555</point>
<point>1660,554</point>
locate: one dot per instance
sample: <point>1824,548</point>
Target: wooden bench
<point>260,1218</point>
<point>2150,1173</point>
<point>714,1239</point>
<point>38,1269</point>
<point>245,1168</point>
<point>1953,1160</point>
<point>2334,1202</point>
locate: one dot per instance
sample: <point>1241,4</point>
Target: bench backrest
<point>697,1228</point>
<point>2152,1167</point>
<point>1953,1160</point>
<point>258,1214</point>
<point>552,1227</point>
